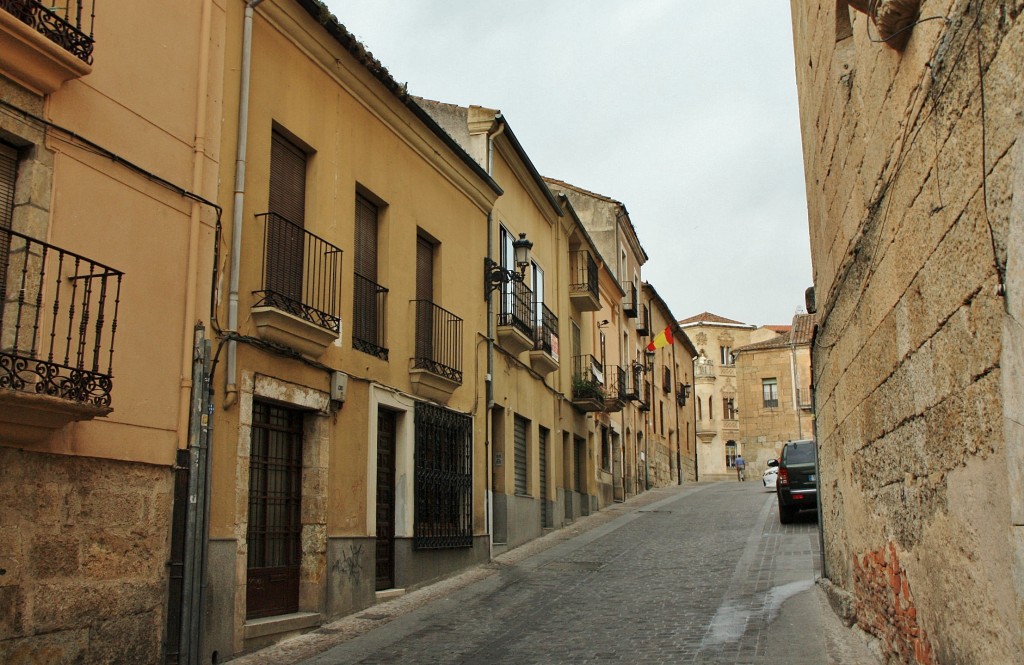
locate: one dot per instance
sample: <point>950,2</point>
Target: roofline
<point>322,15</point>
<point>521,152</point>
<point>746,326</point>
<point>607,199</point>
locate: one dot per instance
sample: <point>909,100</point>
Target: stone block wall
<point>83,553</point>
<point>911,173</point>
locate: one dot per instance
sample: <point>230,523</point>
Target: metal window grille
<point>275,498</point>
<point>443,482</point>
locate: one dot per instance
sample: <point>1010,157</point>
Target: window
<point>521,467</point>
<point>726,358</point>
<point>661,417</point>
<point>275,497</point>
<point>286,221</point>
<point>516,307</point>
<point>711,408</point>
<point>368,307</point>
<point>443,483</point>
<point>729,408</point>
<point>666,379</point>
<point>606,450</point>
<point>730,454</point>
<point>770,391</point>
<point>700,409</point>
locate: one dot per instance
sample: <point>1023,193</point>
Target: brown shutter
<point>287,205</point>
<point>366,238</point>
<point>424,269</point>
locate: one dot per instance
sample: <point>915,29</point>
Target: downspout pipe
<point>231,389</point>
<point>489,378</point>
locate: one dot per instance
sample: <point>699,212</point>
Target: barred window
<point>444,478</point>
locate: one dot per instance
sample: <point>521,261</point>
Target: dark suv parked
<point>797,487</point>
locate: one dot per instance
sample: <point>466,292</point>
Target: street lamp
<point>495,275</point>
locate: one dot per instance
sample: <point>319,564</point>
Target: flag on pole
<point>664,338</point>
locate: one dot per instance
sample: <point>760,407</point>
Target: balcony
<point>618,393</point>
<point>682,392</point>
<point>58,322</point>
<point>544,356</point>
<point>643,322</point>
<point>515,321</point>
<point>368,317</point>
<point>588,391</point>
<point>644,403</point>
<point>633,389</point>
<point>630,304</point>
<point>583,285</point>
<point>437,364</point>
<point>730,424</point>
<point>45,45</point>
<point>298,304</point>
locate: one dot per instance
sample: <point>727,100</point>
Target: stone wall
<point>83,553</point>
<point>910,166</point>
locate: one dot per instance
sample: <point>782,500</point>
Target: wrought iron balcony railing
<point>583,273</point>
<point>66,23</point>
<point>588,379</point>
<point>630,304</point>
<point>644,404</point>
<point>643,322</point>
<point>368,317</point>
<point>438,341</point>
<point>58,321</point>
<point>301,273</point>
<point>545,337</point>
<point>516,307</point>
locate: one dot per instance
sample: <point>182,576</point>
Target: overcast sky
<point>684,111</point>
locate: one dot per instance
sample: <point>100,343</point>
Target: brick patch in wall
<point>885,607</point>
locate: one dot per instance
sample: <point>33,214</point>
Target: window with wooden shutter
<point>368,307</point>
<point>286,221</point>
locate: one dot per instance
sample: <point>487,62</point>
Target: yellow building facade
<point>109,151</point>
<point>348,458</point>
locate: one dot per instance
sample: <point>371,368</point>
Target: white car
<point>770,477</point>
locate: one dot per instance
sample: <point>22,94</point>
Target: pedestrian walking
<point>741,468</point>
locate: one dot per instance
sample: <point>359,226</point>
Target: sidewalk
<point>788,641</point>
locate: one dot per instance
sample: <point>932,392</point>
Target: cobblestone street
<point>700,574</point>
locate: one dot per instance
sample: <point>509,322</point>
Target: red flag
<point>664,338</point>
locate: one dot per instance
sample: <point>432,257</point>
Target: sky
<point>684,111</point>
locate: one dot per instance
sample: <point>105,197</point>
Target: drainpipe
<point>489,378</point>
<point>231,389</point>
<point>195,221</point>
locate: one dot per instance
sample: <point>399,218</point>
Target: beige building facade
<point>716,390</point>
<point>774,402</point>
<point>914,182</point>
<point>109,151</point>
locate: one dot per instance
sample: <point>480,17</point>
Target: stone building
<point>716,391</point>
<point>109,147</point>
<point>773,379</point>
<point>915,191</point>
